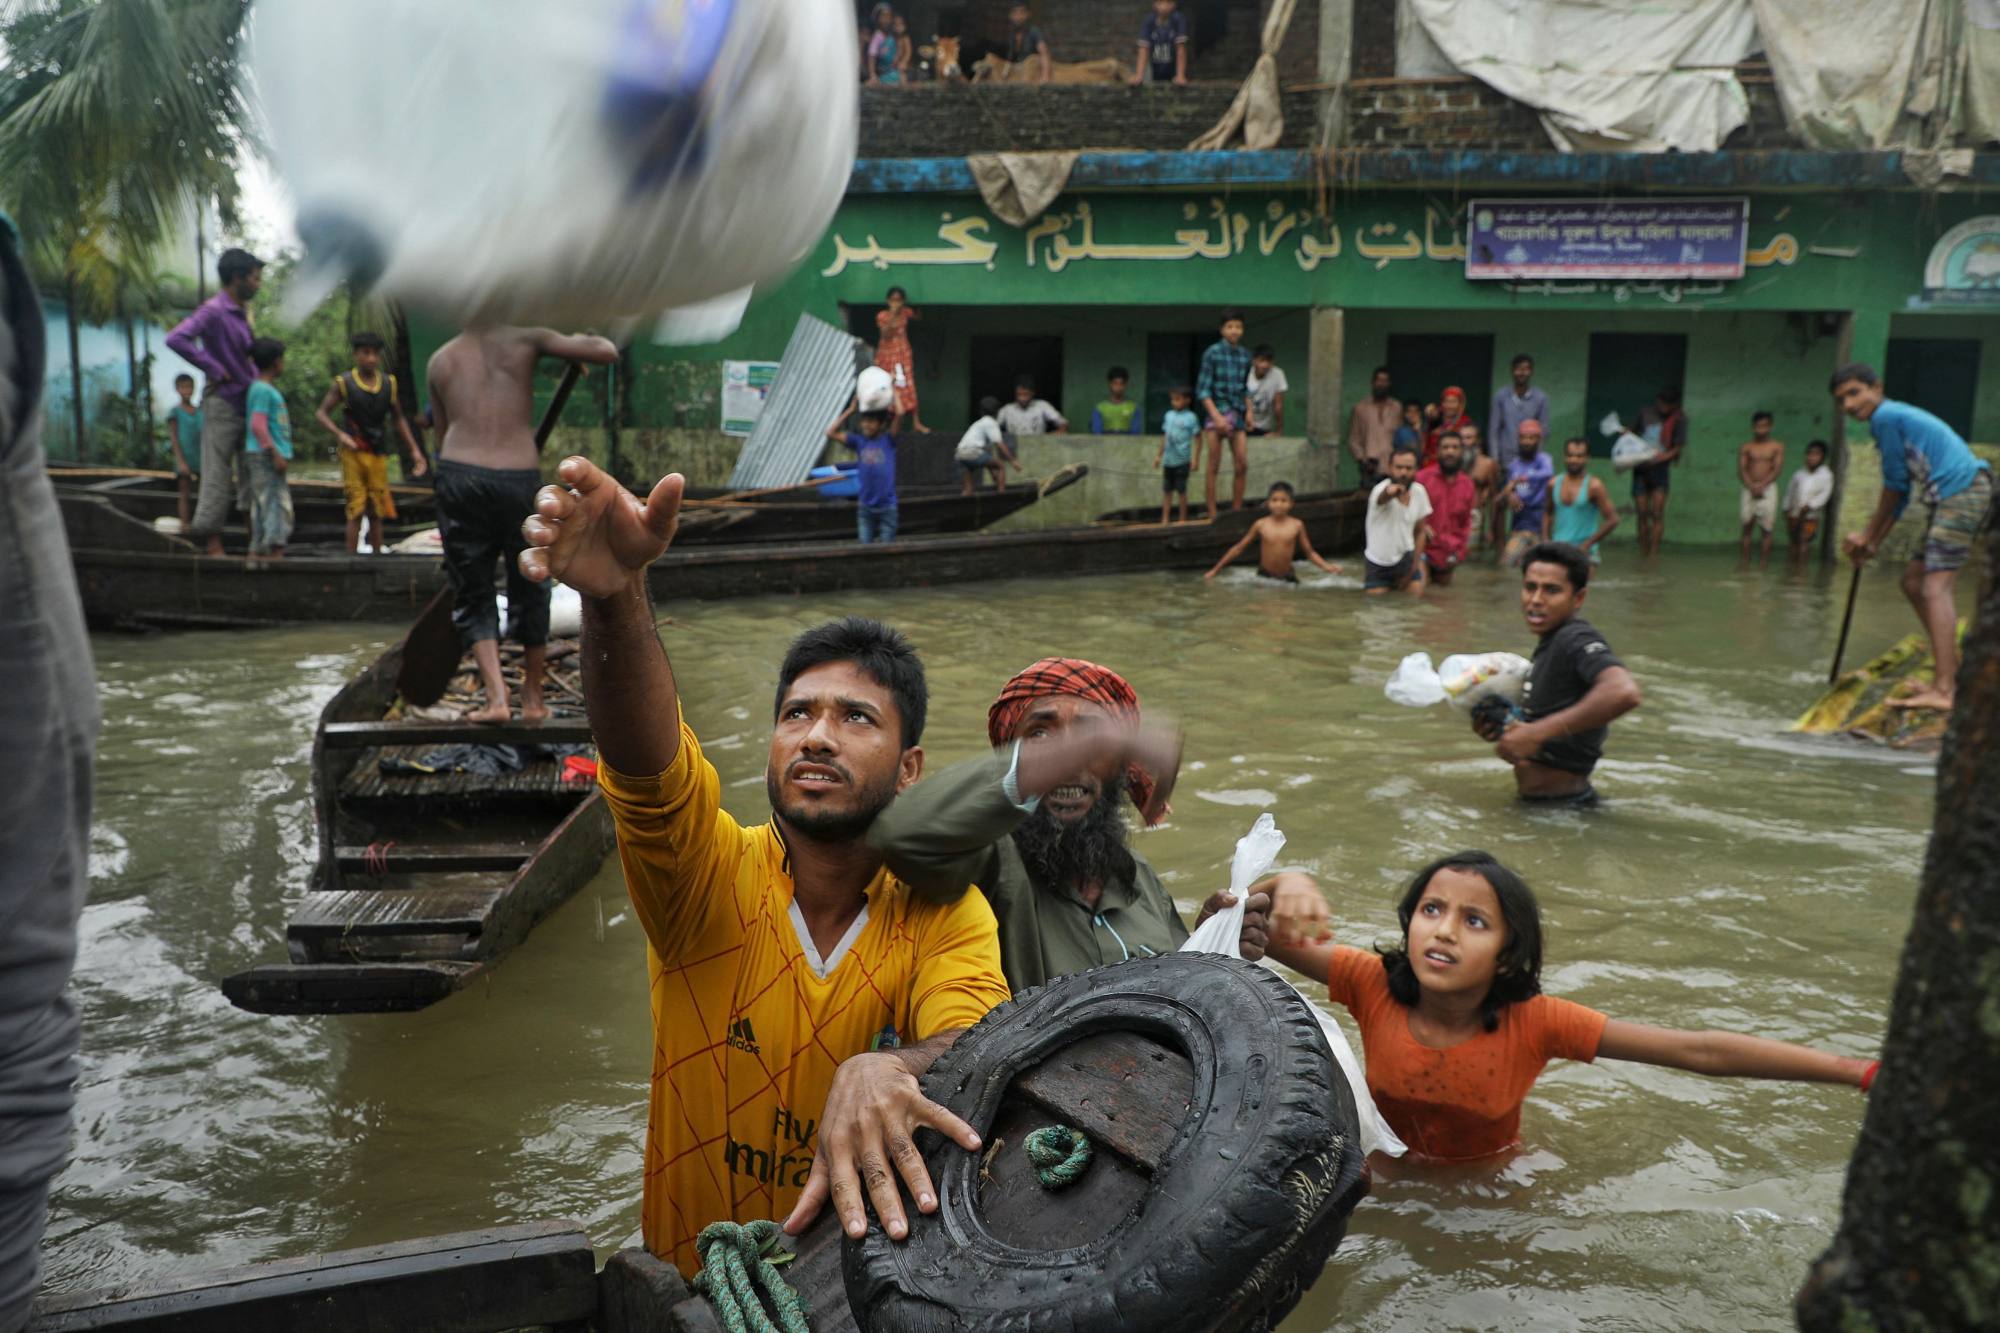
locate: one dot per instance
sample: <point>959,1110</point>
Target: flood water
<point>1735,878</point>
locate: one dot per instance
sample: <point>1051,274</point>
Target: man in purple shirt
<point>216,338</point>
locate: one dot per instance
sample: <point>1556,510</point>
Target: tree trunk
<point>75,369</point>
<point>135,428</point>
<point>1919,1239</point>
<point>402,364</point>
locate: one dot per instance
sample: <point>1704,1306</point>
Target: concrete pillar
<point>1336,64</point>
<point>1326,345</point>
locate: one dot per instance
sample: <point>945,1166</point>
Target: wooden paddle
<point>431,650</point>
<point>1846,623</point>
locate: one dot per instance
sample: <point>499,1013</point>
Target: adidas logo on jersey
<point>742,1038</point>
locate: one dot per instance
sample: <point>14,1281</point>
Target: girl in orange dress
<point>892,353</point>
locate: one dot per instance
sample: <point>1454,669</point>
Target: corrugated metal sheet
<point>814,381</point>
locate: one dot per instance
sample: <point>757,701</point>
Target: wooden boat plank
<point>367,785</point>
<point>556,731</point>
<point>432,860</point>
<point>445,903</point>
<point>540,1273</point>
<point>347,988</point>
<point>1142,1110</point>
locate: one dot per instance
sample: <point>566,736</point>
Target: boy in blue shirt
<point>1176,453</point>
<point>875,515</point>
<point>267,448</point>
<point>1163,44</point>
<point>1920,454</point>
<point>184,442</point>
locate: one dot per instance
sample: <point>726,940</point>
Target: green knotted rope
<point>739,1275</point>
<point>1060,1155</point>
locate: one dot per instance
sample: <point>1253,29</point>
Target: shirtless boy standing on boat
<point>483,406</point>
<point>1283,539</point>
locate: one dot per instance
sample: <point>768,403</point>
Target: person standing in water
<point>482,392</point>
<point>1584,513</point>
<point>1921,455</point>
<point>1281,538</point>
<point>1455,1028</point>
<point>1758,464</point>
<point>1576,689</point>
<point>1529,473</point>
<point>1453,500</point>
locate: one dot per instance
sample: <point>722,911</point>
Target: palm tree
<point>117,119</point>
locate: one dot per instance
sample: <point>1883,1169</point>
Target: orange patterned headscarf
<point>1072,676</point>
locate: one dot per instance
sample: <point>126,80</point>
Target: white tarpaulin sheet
<point>1845,71</point>
<point>1607,76</point>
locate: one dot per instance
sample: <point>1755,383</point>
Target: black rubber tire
<point>1247,1205</point>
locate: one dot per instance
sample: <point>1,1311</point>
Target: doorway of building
<point>1940,375</point>
<point>999,359</point>
<point>1172,360</point>
<point>1424,365</point>
<point>1627,372</point>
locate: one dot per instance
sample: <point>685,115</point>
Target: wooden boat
<point>131,575</point>
<point>319,506</point>
<point>803,514</point>
<point>425,880</point>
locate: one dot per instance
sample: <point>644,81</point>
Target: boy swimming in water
<point>1455,1028</point>
<point>1283,539</point>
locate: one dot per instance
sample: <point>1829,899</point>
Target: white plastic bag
<point>1255,852</point>
<point>1463,678</point>
<point>591,162</point>
<point>874,391</point>
<point>1416,683</point>
<point>1627,450</point>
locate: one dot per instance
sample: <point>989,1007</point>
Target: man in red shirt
<point>1452,494</point>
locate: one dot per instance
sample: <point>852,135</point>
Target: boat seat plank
<point>347,988</point>
<point>1141,1116</point>
<point>454,908</point>
<point>367,783</point>
<point>396,859</point>
<point>356,735</point>
<point>537,1274</point>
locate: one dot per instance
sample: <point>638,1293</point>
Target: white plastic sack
<point>874,390</point>
<point>576,164</point>
<point>565,611</point>
<point>1465,679</point>
<point>1629,451</point>
<point>1255,852</point>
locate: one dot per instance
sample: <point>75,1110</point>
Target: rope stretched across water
<point>739,1275</point>
<point>1060,1154</point>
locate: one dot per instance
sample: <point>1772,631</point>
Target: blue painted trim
<point>1789,169</point>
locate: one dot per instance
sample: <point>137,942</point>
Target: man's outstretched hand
<point>866,1140</point>
<point>595,535</point>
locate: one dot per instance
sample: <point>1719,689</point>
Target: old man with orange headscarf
<point>1037,826</point>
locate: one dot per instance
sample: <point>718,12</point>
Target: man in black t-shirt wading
<point>1576,688</point>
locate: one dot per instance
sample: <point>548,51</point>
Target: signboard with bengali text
<point>1606,238</point>
<point>744,387</point>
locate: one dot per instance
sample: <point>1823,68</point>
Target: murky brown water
<point>1736,878</point>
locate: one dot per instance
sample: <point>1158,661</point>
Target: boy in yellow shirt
<point>798,989</point>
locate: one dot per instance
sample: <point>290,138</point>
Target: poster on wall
<point>745,384</point>
<point>1607,238</point>
<point>1964,266</point>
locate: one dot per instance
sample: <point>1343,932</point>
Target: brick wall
<point>949,120</point>
<point>1374,39</point>
<point>1462,112</point>
<point>1439,113</point>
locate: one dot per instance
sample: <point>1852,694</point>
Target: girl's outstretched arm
<point>1301,931</point>
<point>1729,1054</point>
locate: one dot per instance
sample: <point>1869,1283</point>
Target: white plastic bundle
<point>1463,678</point>
<point>1628,450</point>
<point>1256,851</point>
<point>577,164</point>
<point>874,391</point>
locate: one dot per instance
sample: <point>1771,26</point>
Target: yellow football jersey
<point>749,1021</point>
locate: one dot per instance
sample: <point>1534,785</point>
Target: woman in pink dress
<point>892,353</point>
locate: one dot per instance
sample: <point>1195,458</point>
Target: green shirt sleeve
<point>938,837</point>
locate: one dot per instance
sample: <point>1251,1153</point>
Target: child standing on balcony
<point>1163,43</point>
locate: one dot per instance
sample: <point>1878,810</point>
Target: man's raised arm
<point>575,346</point>
<point>597,537</point>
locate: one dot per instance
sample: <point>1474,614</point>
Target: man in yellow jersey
<point>798,988</point>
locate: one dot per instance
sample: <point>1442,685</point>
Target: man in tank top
<point>367,398</point>
<point>1584,514</point>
